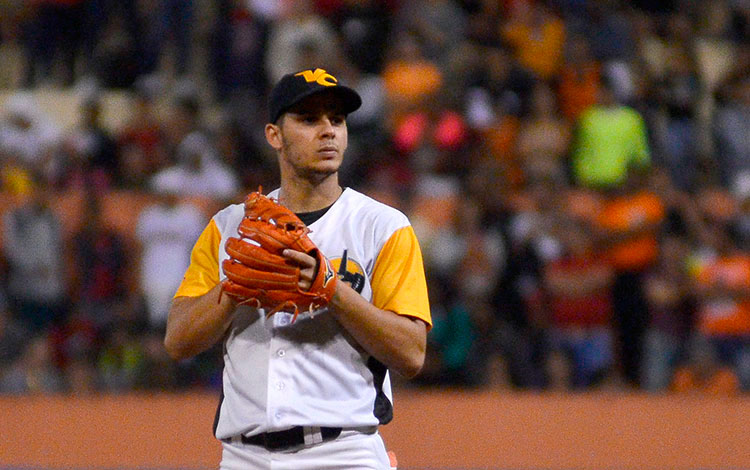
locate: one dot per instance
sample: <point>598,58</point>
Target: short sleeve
<point>203,273</point>
<point>398,279</point>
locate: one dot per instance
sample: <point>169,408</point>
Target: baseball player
<point>308,388</point>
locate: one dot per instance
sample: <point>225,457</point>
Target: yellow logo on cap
<point>319,76</point>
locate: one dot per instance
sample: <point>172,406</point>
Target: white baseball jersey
<point>279,374</point>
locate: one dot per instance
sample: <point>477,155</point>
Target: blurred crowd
<point>577,171</point>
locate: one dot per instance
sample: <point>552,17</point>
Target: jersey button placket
<point>277,374</point>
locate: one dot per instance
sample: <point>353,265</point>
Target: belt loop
<point>312,435</point>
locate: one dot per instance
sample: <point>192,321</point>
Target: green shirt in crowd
<point>609,141</point>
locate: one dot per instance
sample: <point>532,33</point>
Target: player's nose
<point>327,128</point>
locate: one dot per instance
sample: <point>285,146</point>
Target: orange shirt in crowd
<point>501,141</point>
<point>578,89</point>
<point>408,83</point>
<point>539,48</point>
<point>629,214</point>
<point>724,315</point>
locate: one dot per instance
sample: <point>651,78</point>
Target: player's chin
<point>320,172</point>
<point>327,165</point>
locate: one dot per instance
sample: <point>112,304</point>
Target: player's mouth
<point>328,151</point>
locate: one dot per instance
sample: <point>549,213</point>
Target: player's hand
<point>308,267</point>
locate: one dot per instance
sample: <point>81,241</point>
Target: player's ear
<point>273,136</point>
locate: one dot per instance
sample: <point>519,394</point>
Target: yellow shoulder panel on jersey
<point>203,273</point>
<point>398,279</point>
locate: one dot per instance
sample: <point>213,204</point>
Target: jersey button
<point>280,386</point>
<point>281,353</point>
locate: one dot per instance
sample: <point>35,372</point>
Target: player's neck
<point>304,196</point>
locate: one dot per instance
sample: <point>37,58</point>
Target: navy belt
<point>287,439</point>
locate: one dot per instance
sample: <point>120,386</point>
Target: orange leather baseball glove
<point>256,271</point>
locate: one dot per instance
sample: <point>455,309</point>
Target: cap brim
<point>350,99</point>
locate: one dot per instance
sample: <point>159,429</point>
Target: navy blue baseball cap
<point>294,87</point>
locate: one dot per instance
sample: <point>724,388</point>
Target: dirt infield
<point>431,430</point>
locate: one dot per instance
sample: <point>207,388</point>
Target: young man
<point>310,394</point>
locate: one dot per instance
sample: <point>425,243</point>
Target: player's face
<point>311,137</point>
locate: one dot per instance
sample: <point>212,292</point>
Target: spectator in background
<point>440,23</point>
<point>118,49</point>
<point>608,29</point>
<point>578,286</point>
<point>240,153</point>
<point>169,20</point>
<point>671,306</point>
<point>28,135</point>
<point>13,336</point>
<point>33,372</point>
<point>185,114</point>
<point>74,347</point>
<point>366,127</point>
<point>429,137</point>
<point>464,259</point>
<point>720,275</point>
<point>34,249</point>
<point>741,224</point>
<point>298,25</point>
<point>500,76</point>
<point>142,139</point>
<point>100,278</point>
<point>544,137</point>
<point>628,225</point>
<point>409,77</point>
<point>91,154</point>
<point>610,139</point>
<point>676,129</point>
<point>159,371</point>
<point>731,129</point>
<point>518,298</point>
<point>452,357</point>
<point>198,172</point>
<point>166,232</point>
<point>237,46</point>
<point>365,27</point>
<point>57,33</point>
<point>537,37</point>
<point>580,77</point>
<point>121,364</point>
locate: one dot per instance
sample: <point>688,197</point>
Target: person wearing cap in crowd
<point>198,172</point>
<point>310,393</point>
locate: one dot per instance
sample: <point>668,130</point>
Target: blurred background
<point>577,172</point>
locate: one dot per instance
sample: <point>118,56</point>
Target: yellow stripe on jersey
<point>398,279</point>
<point>203,273</point>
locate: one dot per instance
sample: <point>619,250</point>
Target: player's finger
<point>302,259</point>
<point>307,267</point>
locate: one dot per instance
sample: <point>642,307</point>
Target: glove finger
<point>256,257</point>
<point>240,292</point>
<point>256,279</point>
<point>273,238</point>
<point>265,234</point>
<point>258,206</point>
